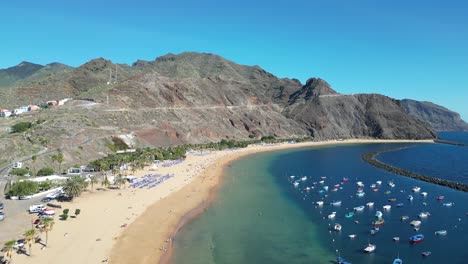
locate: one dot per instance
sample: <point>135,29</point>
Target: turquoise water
<point>260,217</point>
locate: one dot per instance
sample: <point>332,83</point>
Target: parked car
<point>46,199</point>
<point>13,197</point>
<point>37,221</point>
<point>1,206</point>
<point>37,208</point>
<point>2,216</point>
<point>25,197</point>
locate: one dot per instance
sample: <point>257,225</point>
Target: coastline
<point>124,251</point>
<point>137,225</point>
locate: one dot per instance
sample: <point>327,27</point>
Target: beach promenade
<point>136,225</point>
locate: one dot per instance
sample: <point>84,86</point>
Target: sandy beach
<point>134,225</point>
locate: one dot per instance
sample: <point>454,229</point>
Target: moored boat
<point>360,194</point>
<point>374,230</point>
<point>404,218</point>
<point>396,239</point>
<point>345,180</point>
<point>440,198</point>
<point>415,223</point>
<point>378,214</point>
<point>360,184</point>
<point>416,189</point>
<point>332,215</point>
<point>296,184</point>
<point>352,236</point>
<point>392,200</point>
<point>397,261</point>
<point>424,214</point>
<point>447,204</point>
<point>336,203</point>
<point>416,238</point>
<point>391,184</point>
<point>426,253</point>
<point>349,215</point>
<point>370,248</point>
<point>341,260</point>
<point>424,194</point>
<point>319,203</point>
<point>373,185</point>
<point>387,207</point>
<point>379,182</point>
<point>359,208</point>
<point>387,192</point>
<point>400,205</point>
<point>410,197</point>
<point>441,232</point>
<point>370,204</point>
<point>378,222</point>
<point>375,190</point>
<point>337,227</point>
<point>304,178</point>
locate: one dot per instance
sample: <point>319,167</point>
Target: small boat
<point>292,176</point>
<point>417,238</point>
<point>325,188</point>
<point>400,205</point>
<point>337,227</point>
<point>374,230</point>
<point>359,208</point>
<point>387,192</point>
<point>360,194</point>
<point>319,203</point>
<point>341,260</point>
<point>334,189</point>
<point>370,248</point>
<point>416,189</point>
<point>426,253</point>
<point>352,236</point>
<point>410,197</point>
<point>397,261</point>
<point>441,232</point>
<point>424,214</point>
<point>321,182</point>
<point>379,182</point>
<point>332,215</point>
<point>314,184</point>
<point>440,198</point>
<point>424,194</point>
<point>360,184</point>
<point>304,178</point>
<point>345,180</point>
<point>296,184</point>
<point>337,185</point>
<point>323,177</point>
<point>415,223</point>
<point>387,207</point>
<point>447,204</point>
<point>391,184</point>
<point>375,190</point>
<point>396,239</point>
<point>378,222</point>
<point>370,204</point>
<point>392,200</point>
<point>404,218</point>
<point>307,189</point>
<point>373,185</point>
<point>349,215</point>
<point>321,191</point>
<point>378,214</point>
<point>335,203</point>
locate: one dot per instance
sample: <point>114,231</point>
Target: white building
<point>5,113</point>
<point>17,165</point>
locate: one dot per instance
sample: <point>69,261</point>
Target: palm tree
<point>46,225</point>
<point>74,186</point>
<point>105,182</point>
<point>119,180</point>
<point>9,249</point>
<point>93,180</point>
<point>29,237</point>
<point>33,159</point>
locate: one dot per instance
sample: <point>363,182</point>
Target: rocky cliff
<point>438,117</point>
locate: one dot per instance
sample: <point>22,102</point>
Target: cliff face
<point>438,117</point>
<point>327,114</point>
<point>195,97</point>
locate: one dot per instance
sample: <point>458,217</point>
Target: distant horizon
<point>400,49</point>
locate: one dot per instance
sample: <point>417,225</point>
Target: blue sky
<point>403,49</point>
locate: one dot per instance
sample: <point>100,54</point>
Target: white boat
<point>379,182</point>
<point>304,178</point>
<point>378,214</point>
<point>352,236</point>
<point>387,207</point>
<point>370,204</point>
<point>447,204</point>
<point>337,227</point>
<point>325,188</point>
<point>373,185</point>
<point>307,188</point>
<point>321,182</point>
<point>424,194</point>
<point>404,218</point>
<point>296,184</point>
<point>416,189</point>
<point>391,184</point>
<point>360,184</point>
<point>336,203</point>
<point>424,214</point>
<point>332,215</point>
<point>359,208</point>
<point>415,223</point>
<point>319,203</point>
<point>370,248</point>
<point>292,176</point>
<point>396,239</point>
<point>360,194</point>
<point>410,197</point>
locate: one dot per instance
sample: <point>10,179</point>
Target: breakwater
<point>442,141</point>
<point>370,158</point>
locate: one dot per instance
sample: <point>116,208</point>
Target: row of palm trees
<point>45,225</point>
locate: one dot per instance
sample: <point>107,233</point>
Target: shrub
<point>20,127</point>
<point>77,212</point>
<point>45,171</point>
<point>24,188</point>
<point>63,217</point>
<point>20,171</point>
<point>65,211</point>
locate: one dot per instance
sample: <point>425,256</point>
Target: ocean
<point>259,216</point>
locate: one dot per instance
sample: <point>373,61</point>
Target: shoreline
<point>134,225</point>
<point>209,193</point>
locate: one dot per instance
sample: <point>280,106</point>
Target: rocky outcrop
<point>438,117</point>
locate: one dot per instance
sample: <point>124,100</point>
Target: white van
<point>37,208</point>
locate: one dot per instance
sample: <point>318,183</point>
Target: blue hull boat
<point>397,261</point>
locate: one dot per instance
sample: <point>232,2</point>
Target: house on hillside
<point>5,113</point>
<point>53,102</point>
<point>74,171</point>
<point>21,110</point>
<point>17,165</point>
<point>33,107</point>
